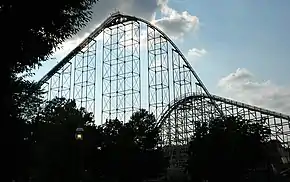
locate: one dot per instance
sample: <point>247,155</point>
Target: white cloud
<point>101,11</point>
<point>68,46</point>
<point>172,22</point>
<point>244,86</point>
<point>196,52</point>
<point>176,24</point>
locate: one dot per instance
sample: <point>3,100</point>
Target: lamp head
<point>79,134</point>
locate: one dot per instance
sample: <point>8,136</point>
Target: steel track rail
<point>188,97</point>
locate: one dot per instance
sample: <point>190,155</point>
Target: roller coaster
<point>141,67</point>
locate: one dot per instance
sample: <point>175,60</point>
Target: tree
<point>147,137</point>
<point>26,99</point>
<point>56,153</point>
<point>30,32</point>
<point>230,149</point>
<point>28,44</point>
<point>111,152</point>
<point>44,25</point>
<point>130,152</point>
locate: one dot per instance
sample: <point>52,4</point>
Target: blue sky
<point>242,33</point>
<point>244,45</point>
<point>243,37</point>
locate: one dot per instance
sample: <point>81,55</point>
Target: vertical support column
<point>287,132</point>
<point>176,93</point>
<point>121,89</point>
<point>182,87</point>
<point>85,77</point>
<point>78,86</point>
<point>133,92</point>
<point>158,77</point>
<point>55,87</point>
<point>66,81</point>
<point>89,78</point>
<point>106,75</point>
<point>187,90</point>
<point>158,71</point>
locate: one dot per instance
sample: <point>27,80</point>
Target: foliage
<point>45,25</point>
<point>55,150</point>
<point>26,97</point>
<point>129,151</point>
<point>227,149</point>
<point>30,32</point>
<point>113,151</point>
<point>25,102</point>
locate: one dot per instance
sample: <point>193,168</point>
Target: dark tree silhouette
<point>26,98</point>
<point>113,151</point>
<point>25,102</point>
<point>30,32</point>
<point>230,149</point>
<point>56,154</point>
<point>130,151</point>
<point>147,137</point>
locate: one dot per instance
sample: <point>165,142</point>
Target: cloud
<point>196,52</point>
<point>102,9</point>
<point>171,22</point>
<point>176,24</point>
<point>68,46</point>
<point>244,86</point>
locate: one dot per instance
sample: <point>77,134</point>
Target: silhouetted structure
<point>141,66</point>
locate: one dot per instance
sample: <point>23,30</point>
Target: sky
<point>239,48</point>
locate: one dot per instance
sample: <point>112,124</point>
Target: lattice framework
<point>169,79</point>
<point>121,93</point>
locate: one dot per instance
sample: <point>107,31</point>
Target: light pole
<point>79,136</point>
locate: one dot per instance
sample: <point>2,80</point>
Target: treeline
<point>114,151</point>
<point>224,149</point>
